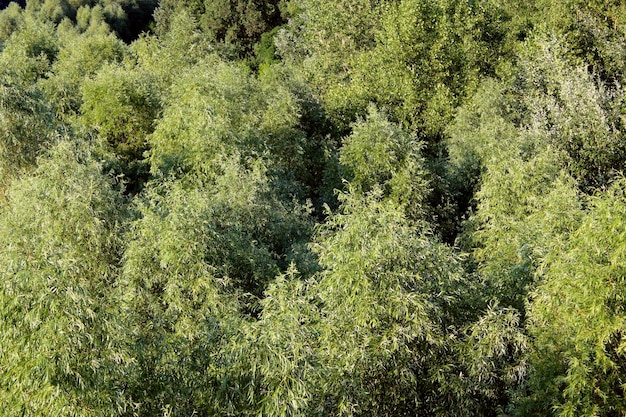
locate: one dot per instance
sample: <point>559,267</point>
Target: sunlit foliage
<point>60,250</point>
<point>312,208</point>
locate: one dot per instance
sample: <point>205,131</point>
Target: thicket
<point>312,208</point>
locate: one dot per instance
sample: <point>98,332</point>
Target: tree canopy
<point>312,208</point>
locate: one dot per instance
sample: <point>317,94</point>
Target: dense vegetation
<point>312,208</point>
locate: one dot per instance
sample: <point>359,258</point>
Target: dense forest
<point>312,208</point>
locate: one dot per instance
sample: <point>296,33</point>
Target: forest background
<point>312,208</point>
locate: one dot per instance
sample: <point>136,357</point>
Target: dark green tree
<point>416,60</point>
<point>235,25</point>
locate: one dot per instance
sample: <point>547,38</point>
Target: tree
<point>240,22</point>
<point>570,110</point>
<point>524,208</point>
<point>323,41</point>
<point>121,105</point>
<point>488,364</point>
<point>218,109</point>
<point>384,294</point>
<point>415,60</point>
<point>199,261</point>
<point>171,52</point>
<point>381,154</point>
<point>11,18</point>
<point>577,317</point>
<point>593,32</point>
<point>60,348</point>
<point>128,18</point>
<point>80,57</point>
<point>364,333</point>
<point>29,52</point>
<point>26,128</point>
<point>233,26</point>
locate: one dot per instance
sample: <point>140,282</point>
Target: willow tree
<point>365,333</point>
<point>26,127</point>
<point>577,317</point>
<point>60,348</point>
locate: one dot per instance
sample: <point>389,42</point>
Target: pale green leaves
<point>200,258</point>
<point>380,153</point>
<point>81,57</point>
<point>121,105</point>
<point>524,208</point>
<point>59,260</point>
<point>382,294</point>
<point>578,315</point>
<point>216,110</point>
<point>29,52</point>
<point>26,128</point>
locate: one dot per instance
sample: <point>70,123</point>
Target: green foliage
<point>362,335</point>
<point>436,50</point>
<point>11,19</point>
<point>568,109</point>
<point>549,106</point>
<point>60,245</point>
<point>235,25</point>
<point>483,131</point>
<point>170,54</point>
<point>238,21</point>
<point>379,153</point>
<point>527,147</point>
<point>29,52</point>
<point>324,40</point>
<point>333,28</point>
<point>254,227</point>
<point>26,128</point>
<point>593,31</point>
<point>415,59</point>
<point>325,346</point>
<point>524,209</point>
<point>128,18</point>
<point>275,362</point>
<point>79,58</point>
<point>217,109</point>
<point>175,302</point>
<point>492,363</point>
<point>265,50</point>
<point>240,215</point>
<point>121,105</point>
<point>198,260</point>
<point>577,316</point>
<point>169,10</point>
<point>382,292</point>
